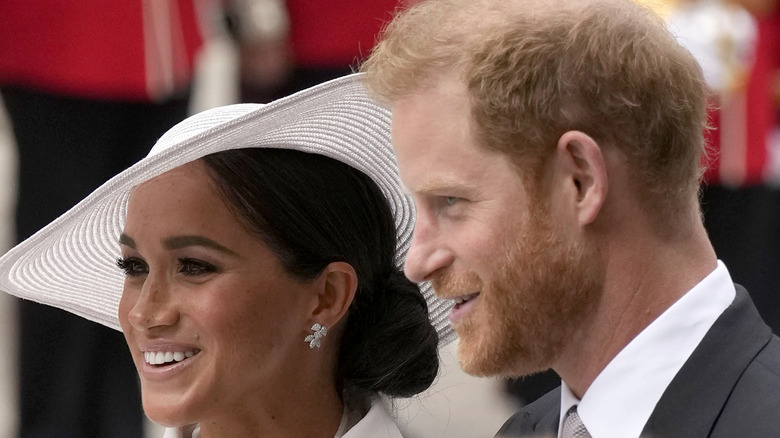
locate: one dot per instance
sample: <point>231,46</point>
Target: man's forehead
<point>432,115</point>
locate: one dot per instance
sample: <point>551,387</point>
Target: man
<point>553,150</point>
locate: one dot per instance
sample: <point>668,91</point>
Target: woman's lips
<point>162,365</point>
<point>164,357</point>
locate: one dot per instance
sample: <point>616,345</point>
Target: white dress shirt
<point>623,396</point>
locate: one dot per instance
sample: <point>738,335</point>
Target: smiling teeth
<point>162,357</point>
<point>461,300</point>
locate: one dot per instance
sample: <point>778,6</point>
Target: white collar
<point>623,396</point>
<point>377,423</point>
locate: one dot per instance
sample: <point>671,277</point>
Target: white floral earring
<point>314,339</point>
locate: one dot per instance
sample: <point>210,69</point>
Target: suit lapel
<point>540,418</point>
<point>692,403</point>
<point>546,418</point>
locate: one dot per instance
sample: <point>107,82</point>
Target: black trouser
<point>76,377</point>
<point>744,227</point>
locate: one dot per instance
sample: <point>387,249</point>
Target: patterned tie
<point>572,425</point>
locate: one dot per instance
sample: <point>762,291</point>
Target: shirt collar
<point>357,421</point>
<point>623,396</point>
<point>378,423</point>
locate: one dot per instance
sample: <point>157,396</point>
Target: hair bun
<point>389,345</point>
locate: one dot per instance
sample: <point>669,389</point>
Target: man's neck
<point>644,278</point>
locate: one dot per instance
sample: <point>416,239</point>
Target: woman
<point>258,287</point>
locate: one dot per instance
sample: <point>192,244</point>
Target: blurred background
<point>88,86</point>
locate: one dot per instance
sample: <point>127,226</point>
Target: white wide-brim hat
<point>71,263</point>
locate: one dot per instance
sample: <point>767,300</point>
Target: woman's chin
<point>166,414</point>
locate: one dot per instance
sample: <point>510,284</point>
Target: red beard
<point>531,303</point>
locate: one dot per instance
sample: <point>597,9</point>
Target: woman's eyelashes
<point>132,266</point>
<point>135,267</point>
<point>195,267</point>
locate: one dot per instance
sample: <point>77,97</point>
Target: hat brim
<point>71,263</point>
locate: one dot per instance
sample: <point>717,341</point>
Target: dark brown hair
<point>313,210</point>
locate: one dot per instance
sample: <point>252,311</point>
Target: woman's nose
<point>153,307</point>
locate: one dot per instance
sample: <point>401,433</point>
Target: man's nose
<point>427,254</point>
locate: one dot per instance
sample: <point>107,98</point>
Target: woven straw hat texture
<point>70,264</point>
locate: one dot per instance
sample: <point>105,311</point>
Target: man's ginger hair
<point>535,69</point>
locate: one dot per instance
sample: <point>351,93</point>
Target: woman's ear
<point>337,286</point>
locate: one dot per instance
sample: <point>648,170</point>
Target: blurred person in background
<point>736,42</point>
<point>741,197</point>
<point>89,86</point>
<point>289,45</point>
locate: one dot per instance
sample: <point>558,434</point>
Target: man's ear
<point>584,172</point>
<point>337,286</point>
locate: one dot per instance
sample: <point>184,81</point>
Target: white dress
<point>376,423</point>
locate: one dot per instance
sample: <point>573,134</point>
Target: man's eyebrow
<point>126,240</point>
<point>439,185</point>
<point>179,242</point>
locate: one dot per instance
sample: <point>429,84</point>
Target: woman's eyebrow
<point>126,240</point>
<point>179,242</point>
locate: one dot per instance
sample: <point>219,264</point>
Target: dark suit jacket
<point>729,387</point>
